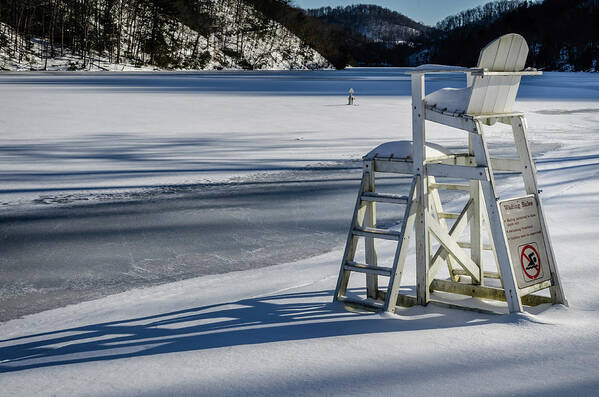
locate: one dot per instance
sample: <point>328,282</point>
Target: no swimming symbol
<point>530,261</point>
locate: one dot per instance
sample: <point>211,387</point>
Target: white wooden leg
<point>419,159</point>
<point>529,174</point>
<point>488,189</point>
<point>476,237</point>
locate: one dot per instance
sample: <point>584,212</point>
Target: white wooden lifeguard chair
<point>516,231</point>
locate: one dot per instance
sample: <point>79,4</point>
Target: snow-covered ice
<point>274,330</point>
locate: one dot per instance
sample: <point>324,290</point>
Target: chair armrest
<point>525,72</point>
<point>431,69</point>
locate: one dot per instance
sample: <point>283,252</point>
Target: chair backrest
<point>497,94</point>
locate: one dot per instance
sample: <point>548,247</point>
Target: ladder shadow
<point>254,321</point>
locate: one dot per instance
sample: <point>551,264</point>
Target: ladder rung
<point>363,302</point>
<point>449,186</point>
<point>449,215</point>
<point>463,244</point>
<point>362,268</point>
<point>377,233</point>
<point>492,275</point>
<point>385,198</point>
<point>461,272</point>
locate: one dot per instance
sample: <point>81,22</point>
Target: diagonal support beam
<point>456,230</point>
<point>451,245</point>
<point>437,207</point>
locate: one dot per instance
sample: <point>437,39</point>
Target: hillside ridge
<point>147,35</point>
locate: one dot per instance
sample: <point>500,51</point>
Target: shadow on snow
<point>275,318</point>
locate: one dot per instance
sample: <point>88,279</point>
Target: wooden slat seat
<point>451,100</point>
<point>494,93</point>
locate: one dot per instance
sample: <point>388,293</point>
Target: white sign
<point>522,226</point>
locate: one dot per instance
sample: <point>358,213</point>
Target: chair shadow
<point>274,318</point>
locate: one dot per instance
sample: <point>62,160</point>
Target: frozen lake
<point>115,181</point>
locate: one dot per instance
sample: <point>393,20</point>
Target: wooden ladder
<point>363,225</point>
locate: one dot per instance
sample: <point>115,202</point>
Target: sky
<point>426,11</point>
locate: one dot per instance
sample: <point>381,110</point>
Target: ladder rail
<point>401,251</point>
<point>372,280</point>
<point>351,242</point>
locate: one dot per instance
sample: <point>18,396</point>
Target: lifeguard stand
<point>516,231</point>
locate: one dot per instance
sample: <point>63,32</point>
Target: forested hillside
<point>377,23</point>
<point>562,34</point>
<point>371,35</point>
<point>338,43</point>
<point>180,34</point>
